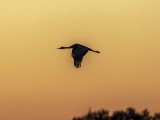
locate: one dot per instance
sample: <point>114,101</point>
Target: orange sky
<point>39,82</point>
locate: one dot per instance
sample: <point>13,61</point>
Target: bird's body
<point>78,52</point>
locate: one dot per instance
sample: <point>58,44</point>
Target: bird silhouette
<point>78,52</point>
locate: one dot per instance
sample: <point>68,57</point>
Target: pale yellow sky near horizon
<point>37,81</point>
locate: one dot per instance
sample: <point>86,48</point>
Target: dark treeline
<point>128,114</point>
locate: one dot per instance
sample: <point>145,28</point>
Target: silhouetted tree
<point>129,114</point>
<point>146,115</point>
<point>156,116</point>
<point>119,115</point>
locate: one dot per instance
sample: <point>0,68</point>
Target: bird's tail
<point>77,62</point>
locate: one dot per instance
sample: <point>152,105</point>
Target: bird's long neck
<point>67,47</point>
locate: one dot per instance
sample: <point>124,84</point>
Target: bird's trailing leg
<point>94,51</point>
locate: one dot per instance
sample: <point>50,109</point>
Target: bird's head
<point>61,48</point>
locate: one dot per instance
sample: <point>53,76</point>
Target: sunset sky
<point>40,82</point>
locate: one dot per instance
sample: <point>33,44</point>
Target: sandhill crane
<point>78,52</point>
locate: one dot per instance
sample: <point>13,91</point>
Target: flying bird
<point>78,52</point>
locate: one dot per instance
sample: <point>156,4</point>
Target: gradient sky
<point>39,82</point>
